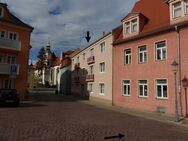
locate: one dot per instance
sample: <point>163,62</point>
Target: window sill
<point>126,95</point>
<point>161,98</point>
<point>145,97</point>
<point>102,94</point>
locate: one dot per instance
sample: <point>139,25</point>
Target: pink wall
<point>151,70</point>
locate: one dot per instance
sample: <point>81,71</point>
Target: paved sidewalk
<point>143,114</point>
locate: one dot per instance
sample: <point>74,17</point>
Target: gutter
<point>179,67</point>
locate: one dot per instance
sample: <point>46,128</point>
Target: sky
<point>66,22</point>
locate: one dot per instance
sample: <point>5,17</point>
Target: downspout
<point>179,69</point>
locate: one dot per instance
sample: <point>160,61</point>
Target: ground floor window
<point>101,88</point>
<point>142,88</point>
<point>126,87</point>
<point>90,88</point>
<point>162,88</point>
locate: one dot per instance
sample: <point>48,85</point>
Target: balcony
<point>10,44</point>
<point>10,69</point>
<point>77,66</point>
<point>90,78</point>
<point>91,60</point>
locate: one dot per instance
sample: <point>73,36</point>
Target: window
<point>102,47</point>
<point>1,58</point>
<point>161,86</point>
<point>92,52</point>
<point>177,9</point>
<point>142,58</point>
<point>91,69</point>
<point>143,88</point>
<point>101,88</point>
<point>126,87</point>
<point>12,35</point>
<point>102,67</point>
<point>84,56</point>
<point>134,25</point>
<point>90,87</point>
<point>8,83</point>
<point>160,50</point>
<point>11,60</point>
<point>78,59</point>
<point>1,12</point>
<point>127,28</point>
<point>127,56</point>
<point>2,34</point>
<point>186,6</point>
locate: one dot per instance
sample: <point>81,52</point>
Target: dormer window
<point>127,28</point>
<point>131,26</point>
<point>1,12</point>
<point>177,9</point>
<point>134,25</point>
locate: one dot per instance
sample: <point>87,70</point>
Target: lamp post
<point>175,68</point>
<point>185,85</point>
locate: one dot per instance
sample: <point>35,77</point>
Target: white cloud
<point>65,22</point>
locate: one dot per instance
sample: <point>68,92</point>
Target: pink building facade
<point>145,46</point>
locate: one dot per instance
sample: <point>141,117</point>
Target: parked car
<point>9,96</point>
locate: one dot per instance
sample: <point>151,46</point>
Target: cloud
<point>65,22</point>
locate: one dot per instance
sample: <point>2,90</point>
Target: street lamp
<point>175,69</point>
<point>185,85</point>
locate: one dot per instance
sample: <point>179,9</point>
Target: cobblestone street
<point>70,120</point>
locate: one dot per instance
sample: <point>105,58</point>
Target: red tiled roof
<point>13,19</point>
<point>57,62</point>
<point>156,12</point>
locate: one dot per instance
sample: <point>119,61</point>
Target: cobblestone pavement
<point>70,120</point>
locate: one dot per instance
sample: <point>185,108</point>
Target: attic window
<point>177,9</point>
<point>1,12</point>
<point>134,25</point>
<point>131,26</point>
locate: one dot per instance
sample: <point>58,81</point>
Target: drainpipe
<point>179,69</point>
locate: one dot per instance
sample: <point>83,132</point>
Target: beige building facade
<point>92,71</point>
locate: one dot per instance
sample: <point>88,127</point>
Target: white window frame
<point>90,88</point>
<point>162,87</point>
<point>145,95</point>
<point>14,33</point>
<point>101,89</point>
<point>1,30</point>
<point>2,61</point>
<point>92,52</point>
<point>143,54</point>
<point>102,47</point>
<point>127,56</point>
<point>2,12</point>
<point>11,59</point>
<point>173,9</point>
<point>186,5</point>
<point>127,25</point>
<point>84,56</point>
<point>126,85</point>
<point>161,51</point>
<point>134,23</point>
<point>91,69</point>
<point>78,59</point>
<point>102,67</point>
<point>11,83</point>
